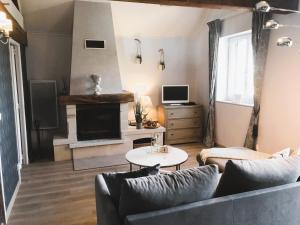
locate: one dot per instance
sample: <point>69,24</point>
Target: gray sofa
<point>272,206</point>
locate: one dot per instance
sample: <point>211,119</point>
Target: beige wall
<point>48,57</point>
<point>147,75</point>
<point>280,108</point>
<point>232,122</point>
<point>159,27</point>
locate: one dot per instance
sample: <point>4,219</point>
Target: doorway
<point>19,103</point>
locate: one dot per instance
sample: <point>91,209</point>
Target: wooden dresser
<point>183,123</point>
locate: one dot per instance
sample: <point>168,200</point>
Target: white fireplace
<point>97,146</point>
<point>99,152</point>
<point>72,128</point>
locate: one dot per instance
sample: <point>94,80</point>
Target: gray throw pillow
<point>248,175</point>
<point>114,180</point>
<point>168,190</point>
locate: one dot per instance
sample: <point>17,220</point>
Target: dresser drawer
<point>183,133</point>
<point>183,123</point>
<point>184,113</point>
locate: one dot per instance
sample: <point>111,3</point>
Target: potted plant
<point>139,114</point>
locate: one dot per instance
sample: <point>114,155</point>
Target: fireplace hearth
<point>98,121</point>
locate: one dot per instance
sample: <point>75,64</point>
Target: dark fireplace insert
<point>98,121</point>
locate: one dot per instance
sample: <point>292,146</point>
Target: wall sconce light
<point>162,65</point>
<point>5,28</point>
<point>272,25</point>
<point>282,41</point>
<point>265,7</point>
<point>138,57</point>
<point>285,42</point>
<point>275,25</point>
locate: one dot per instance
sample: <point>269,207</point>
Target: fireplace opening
<point>98,121</point>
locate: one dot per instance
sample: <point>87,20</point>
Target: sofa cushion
<point>248,175</point>
<point>114,180</point>
<point>168,190</point>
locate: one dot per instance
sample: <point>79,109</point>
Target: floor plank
<point>52,193</point>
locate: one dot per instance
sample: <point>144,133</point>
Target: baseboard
<point>12,201</point>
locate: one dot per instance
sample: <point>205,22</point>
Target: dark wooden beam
<point>285,4</point>
<point>124,97</point>
<point>18,34</point>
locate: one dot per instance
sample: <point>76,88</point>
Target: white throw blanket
<point>238,153</point>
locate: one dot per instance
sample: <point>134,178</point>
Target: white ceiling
<point>130,19</point>
<point>133,19</point>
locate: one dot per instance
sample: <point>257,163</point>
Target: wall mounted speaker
<point>43,94</point>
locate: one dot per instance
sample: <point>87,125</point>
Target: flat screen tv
<point>175,94</point>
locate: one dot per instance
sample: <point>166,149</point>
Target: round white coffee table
<point>144,157</point>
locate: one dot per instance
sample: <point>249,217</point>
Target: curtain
<point>215,30</point>
<point>260,43</point>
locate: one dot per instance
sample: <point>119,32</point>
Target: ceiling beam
<point>18,33</point>
<point>285,4</point>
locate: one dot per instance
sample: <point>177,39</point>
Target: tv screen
<point>175,94</point>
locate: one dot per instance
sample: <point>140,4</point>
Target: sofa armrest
<point>107,214</point>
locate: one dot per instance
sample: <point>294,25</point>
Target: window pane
<point>235,69</point>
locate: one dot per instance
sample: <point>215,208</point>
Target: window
<point>235,69</point>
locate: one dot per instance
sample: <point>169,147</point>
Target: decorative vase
<point>97,82</point>
<point>139,125</point>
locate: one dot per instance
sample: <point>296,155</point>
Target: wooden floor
<point>52,193</point>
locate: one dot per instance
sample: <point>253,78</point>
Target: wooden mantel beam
<point>285,4</point>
